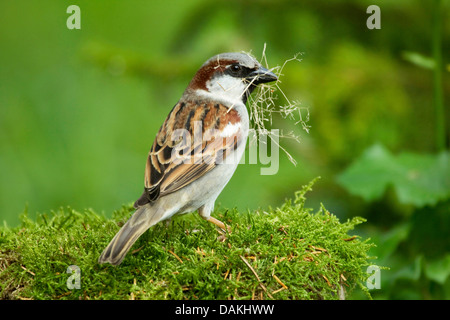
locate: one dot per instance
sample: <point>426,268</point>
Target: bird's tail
<point>144,217</point>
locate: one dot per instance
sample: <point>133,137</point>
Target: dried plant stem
<point>263,105</point>
<point>257,277</point>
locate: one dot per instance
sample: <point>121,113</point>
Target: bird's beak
<point>261,75</point>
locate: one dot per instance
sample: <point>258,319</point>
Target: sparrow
<point>196,150</point>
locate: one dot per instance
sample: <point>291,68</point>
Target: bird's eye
<point>235,68</point>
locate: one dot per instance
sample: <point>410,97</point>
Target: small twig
<point>200,252</point>
<point>30,272</point>
<point>173,253</point>
<point>63,295</point>
<point>278,290</point>
<point>257,277</point>
<point>226,274</point>
<point>137,250</point>
<point>280,282</point>
<point>326,279</point>
<point>251,268</point>
<point>318,248</point>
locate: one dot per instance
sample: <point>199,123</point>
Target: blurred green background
<point>79,110</point>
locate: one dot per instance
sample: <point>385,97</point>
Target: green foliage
<point>416,252</point>
<point>418,179</point>
<point>417,248</point>
<point>283,253</point>
<point>78,114</point>
<point>419,60</point>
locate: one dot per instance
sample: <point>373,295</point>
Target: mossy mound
<point>284,253</point>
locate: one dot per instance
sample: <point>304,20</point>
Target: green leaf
<point>388,242</point>
<point>412,270</point>
<point>418,179</point>
<point>419,60</point>
<point>367,176</point>
<point>424,180</point>
<point>438,270</point>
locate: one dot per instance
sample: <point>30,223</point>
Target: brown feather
<point>207,71</point>
<point>172,165</point>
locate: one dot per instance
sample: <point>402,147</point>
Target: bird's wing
<point>193,140</point>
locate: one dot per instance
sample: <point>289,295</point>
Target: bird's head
<point>230,77</point>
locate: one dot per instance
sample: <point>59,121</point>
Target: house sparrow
<point>196,150</point>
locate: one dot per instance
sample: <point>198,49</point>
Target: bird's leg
<point>205,213</point>
<point>219,223</point>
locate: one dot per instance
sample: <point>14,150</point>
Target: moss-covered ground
<point>289,252</point>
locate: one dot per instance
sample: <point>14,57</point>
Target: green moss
<point>311,254</point>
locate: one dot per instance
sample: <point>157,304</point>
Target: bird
<point>197,148</point>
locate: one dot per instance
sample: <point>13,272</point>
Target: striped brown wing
<point>187,146</point>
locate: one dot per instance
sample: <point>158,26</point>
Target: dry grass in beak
<point>263,105</point>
